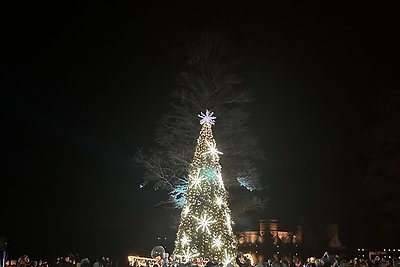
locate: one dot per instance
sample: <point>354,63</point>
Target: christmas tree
<point>205,230</point>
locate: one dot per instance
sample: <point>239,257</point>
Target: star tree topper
<point>207,117</point>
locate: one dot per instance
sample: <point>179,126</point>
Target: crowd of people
<point>25,261</point>
<point>62,261</point>
<point>277,260</point>
<point>326,260</point>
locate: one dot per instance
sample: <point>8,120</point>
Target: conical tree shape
<point>205,231</point>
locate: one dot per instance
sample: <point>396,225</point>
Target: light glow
<point>196,181</point>
<point>186,210</point>
<point>219,201</point>
<point>217,242</point>
<point>207,117</point>
<point>188,255</point>
<point>228,258</point>
<point>185,240</point>
<point>212,150</point>
<point>204,223</point>
<point>221,182</point>
<point>228,222</point>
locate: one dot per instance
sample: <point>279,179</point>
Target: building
<point>275,238</point>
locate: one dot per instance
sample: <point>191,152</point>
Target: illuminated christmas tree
<point>205,230</point>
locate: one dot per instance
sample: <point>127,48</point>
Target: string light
<point>221,182</point>
<point>219,201</point>
<point>228,222</point>
<point>186,210</point>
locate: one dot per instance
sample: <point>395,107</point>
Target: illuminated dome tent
<point>205,231</point>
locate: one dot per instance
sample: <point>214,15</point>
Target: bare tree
<point>207,84</point>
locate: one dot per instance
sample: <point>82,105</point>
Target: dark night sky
<point>82,86</point>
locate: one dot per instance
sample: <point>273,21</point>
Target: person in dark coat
<point>85,262</point>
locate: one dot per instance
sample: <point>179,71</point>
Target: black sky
<point>82,86</point>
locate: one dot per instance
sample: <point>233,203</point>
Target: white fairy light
<point>221,182</point>
<point>207,117</point>
<point>185,240</point>
<point>227,259</point>
<point>219,201</point>
<point>212,150</point>
<point>217,242</point>
<point>228,222</point>
<point>204,223</point>
<point>186,210</point>
<point>196,181</point>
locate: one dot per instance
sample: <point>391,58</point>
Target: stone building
<point>273,237</point>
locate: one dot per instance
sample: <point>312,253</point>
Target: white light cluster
<point>196,181</point>
<point>221,182</point>
<point>219,201</point>
<point>227,259</point>
<point>204,223</point>
<point>212,150</point>
<point>217,242</point>
<point>185,240</point>
<point>207,117</point>
<point>188,255</point>
<point>186,210</point>
<point>228,222</point>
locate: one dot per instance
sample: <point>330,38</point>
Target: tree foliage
<point>208,83</point>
